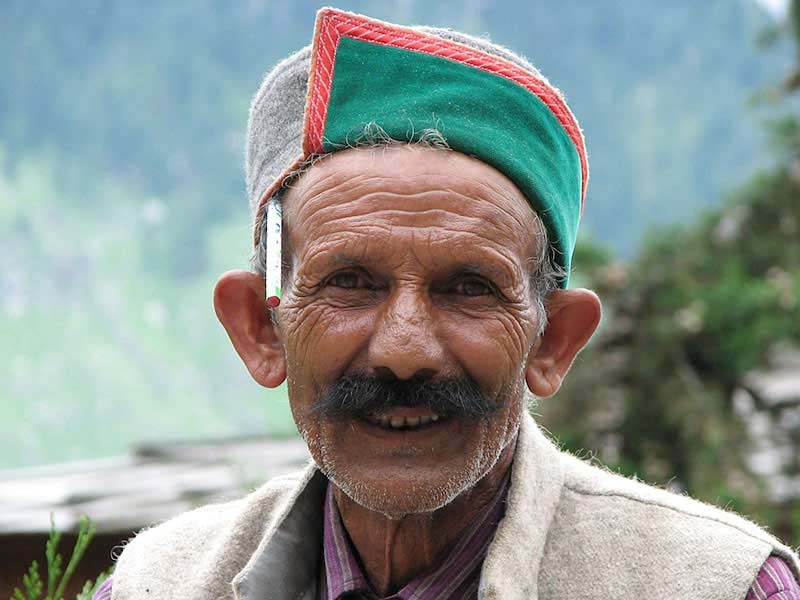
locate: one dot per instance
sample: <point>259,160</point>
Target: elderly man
<point>430,185</point>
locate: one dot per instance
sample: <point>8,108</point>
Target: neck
<point>395,551</point>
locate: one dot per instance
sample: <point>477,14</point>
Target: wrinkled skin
<point>412,263</point>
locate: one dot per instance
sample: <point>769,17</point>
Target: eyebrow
<point>332,260</point>
<point>345,260</point>
<point>471,268</point>
<point>486,271</point>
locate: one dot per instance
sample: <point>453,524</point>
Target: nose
<point>404,341</point>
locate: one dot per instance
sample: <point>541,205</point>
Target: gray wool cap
<point>277,114</point>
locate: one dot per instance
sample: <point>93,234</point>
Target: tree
<point>701,310</point>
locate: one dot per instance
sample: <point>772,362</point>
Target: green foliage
<point>100,338</point>
<point>57,577</point>
<point>121,196</point>
<point>121,202</point>
<point>105,88</point>
<point>794,20</point>
<point>785,134</point>
<point>702,306</point>
<point>31,583</point>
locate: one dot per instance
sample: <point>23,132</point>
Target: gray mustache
<point>357,396</point>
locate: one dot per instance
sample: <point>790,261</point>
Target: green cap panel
<point>480,113</point>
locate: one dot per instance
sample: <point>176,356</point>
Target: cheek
<point>493,349</point>
<point>323,341</point>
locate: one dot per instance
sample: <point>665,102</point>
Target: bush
<point>58,577</point>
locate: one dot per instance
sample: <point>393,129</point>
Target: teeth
<point>401,422</point>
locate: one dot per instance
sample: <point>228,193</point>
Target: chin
<point>399,491</point>
<point>396,498</point>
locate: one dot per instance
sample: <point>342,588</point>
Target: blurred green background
<point>122,200</point>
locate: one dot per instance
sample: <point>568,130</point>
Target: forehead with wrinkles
<point>381,193</point>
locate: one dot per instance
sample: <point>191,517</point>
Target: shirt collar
<point>459,573</point>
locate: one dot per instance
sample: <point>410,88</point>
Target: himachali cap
<point>486,101</point>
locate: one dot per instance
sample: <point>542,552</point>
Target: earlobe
<point>241,308</point>
<point>573,318</point>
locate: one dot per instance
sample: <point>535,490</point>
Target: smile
<point>402,422</point>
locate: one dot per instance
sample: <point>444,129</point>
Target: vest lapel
<point>287,561</point>
<point>511,568</point>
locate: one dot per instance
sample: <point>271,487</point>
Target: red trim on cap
<point>332,24</point>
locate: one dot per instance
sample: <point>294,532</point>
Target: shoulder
<point>629,536</point>
<point>206,522</point>
<point>176,553</point>
<point>616,496</point>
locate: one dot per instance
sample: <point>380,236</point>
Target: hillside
<point>121,194</point>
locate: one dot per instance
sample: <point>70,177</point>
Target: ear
<point>241,308</point>
<point>573,318</point>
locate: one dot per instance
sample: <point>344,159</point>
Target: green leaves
<point>31,583</point>
<point>53,559</point>
<point>57,577</point>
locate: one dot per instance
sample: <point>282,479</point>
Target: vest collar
<point>286,563</point>
<point>511,568</point>
<point>287,560</point>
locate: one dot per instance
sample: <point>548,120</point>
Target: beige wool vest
<point>571,531</point>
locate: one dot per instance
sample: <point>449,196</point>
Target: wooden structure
<point>125,494</point>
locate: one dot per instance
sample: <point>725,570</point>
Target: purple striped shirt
<point>456,579</point>
<point>104,591</point>
<point>774,582</point>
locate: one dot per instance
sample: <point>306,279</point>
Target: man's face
<point>408,264</point>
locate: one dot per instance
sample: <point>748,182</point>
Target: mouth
<point>394,422</point>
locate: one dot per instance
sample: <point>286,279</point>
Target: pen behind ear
<point>273,268</point>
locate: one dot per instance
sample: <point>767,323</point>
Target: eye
<point>350,280</point>
<point>473,287</point>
